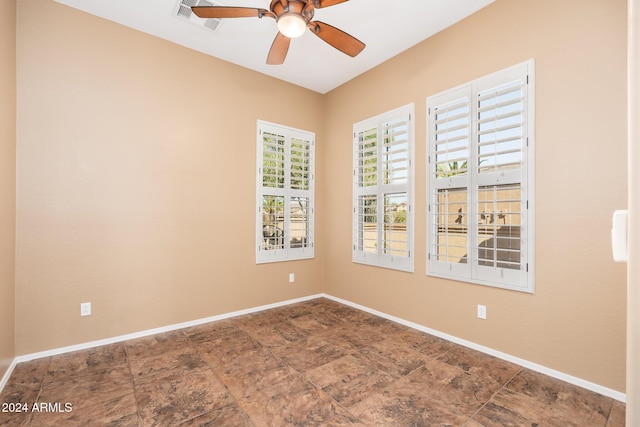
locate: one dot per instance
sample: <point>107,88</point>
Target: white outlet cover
<point>292,278</point>
<point>85,309</point>
<point>482,311</point>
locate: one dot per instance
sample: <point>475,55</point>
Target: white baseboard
<point>5,377</point>
<point>160,330</point>
<point>518,361</point>
<point>622,397</point>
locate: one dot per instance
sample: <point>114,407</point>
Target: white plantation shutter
<point>450,129</point>
<point>481,180</point>
<point>273,157</point>
<point>501,104</point>
<point>395,162</point>
<point>300,163</point>
<point>366,225</point>
<point>366,182</point>
<point>499,229</point>
<point>501,127</point>
<point>367,157</point>
<point>395,151</point>
<point>383,190</point>
<point>285,193</point>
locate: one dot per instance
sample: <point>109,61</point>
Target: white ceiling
<point>387,27</point>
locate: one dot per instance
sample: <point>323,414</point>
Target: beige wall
<point>128,146</point>
<point>136,181</point>
<point>575,321</point>
<point>7,182</point>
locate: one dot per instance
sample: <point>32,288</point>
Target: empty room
<point>400,215</point>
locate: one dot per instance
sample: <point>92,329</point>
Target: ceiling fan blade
<point>279,49</point>
<point>228,12</point>
<point>327,3</point>
<point>337,38</point>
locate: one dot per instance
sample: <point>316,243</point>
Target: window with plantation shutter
<point>383,190</point>
<point>285,193</point>
<point>480,208</point>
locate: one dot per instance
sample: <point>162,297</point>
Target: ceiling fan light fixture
<point>291,25</point>
<point>293,17</point>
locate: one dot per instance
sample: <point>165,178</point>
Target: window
<point>480,216</point>
<point>383,190</point>
<point>285,193</point>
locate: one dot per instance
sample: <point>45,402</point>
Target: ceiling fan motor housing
<point>293,7</point>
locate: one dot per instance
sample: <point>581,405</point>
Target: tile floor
<point>316,363</point>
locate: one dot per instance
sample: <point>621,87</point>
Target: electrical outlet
<point>85,309</point>
<point>292,278</point>
<point>482,311</point>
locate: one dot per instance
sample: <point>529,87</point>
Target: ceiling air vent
<point>183,11</point>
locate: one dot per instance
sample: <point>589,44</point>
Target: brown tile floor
<point>312,363</point>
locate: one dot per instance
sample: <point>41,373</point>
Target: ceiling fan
<point>293,18</point>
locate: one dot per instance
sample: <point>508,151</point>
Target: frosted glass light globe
<point>291,25</point>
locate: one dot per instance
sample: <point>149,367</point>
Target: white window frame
<point>379,256</point>
<point>472,179</point>
<point>277,246</point>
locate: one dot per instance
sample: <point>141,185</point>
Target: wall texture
<point>7,182</point>
<point>575,321</point>
<point>136,181</point>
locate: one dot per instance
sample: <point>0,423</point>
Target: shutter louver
<point>299,219</point>
<point>299,159</point>
<point>450,234</point>
<point>499,222</point>
<point>501,127</point>
<point>367,170</point>
<point>367,224</point>
<point>395,225</point>
<point>395,152</point>
<point>273,147</point>
<point>451,134</point>
<point>273,223</point>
